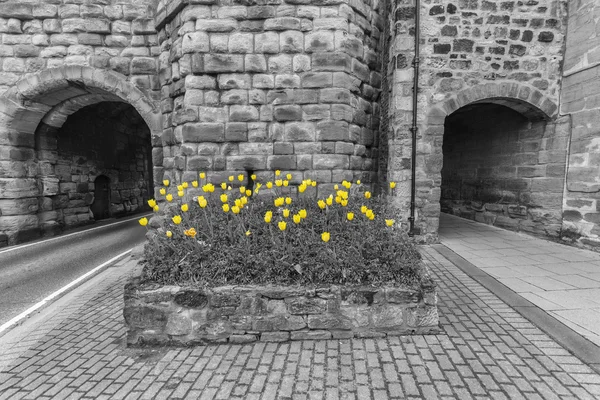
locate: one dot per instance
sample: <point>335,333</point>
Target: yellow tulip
<point>248,233</point>
<point>169,234</point>
<point>363,209</point>
<point>195,184</point>
<point>302,213</point>
<point>336,187</point>
<point>230,178</point>
<point>185,185</point>
<point>325,236</point>
<point>180,193</point>
<point>367,195</point>
<point>223,186</point>
<point>278,182</point>
<point>202,175</point>
<point>249,192</point>
<point>297,218</point>
<point>338,199</point>
<point>302,188</point>
<point>286,183</point>
<point>329,200</point>
<point>155,208</point>
<point>313,183</point>
<point>151,203</point>
<point>344,202</point>
<point>240,177</point>
<point>179,188</point>
<point>226,207</point>
<point>288,200</point>
<point>389,222</point>
<point>235,209</point>
<point>253,177</point>
<point>166,182</point>
<point>279,201</point>
<point>244,200</point>
<point>208,188</point>
<point>163,191</point>
<point>268,216</point>
<point>277,172</point>
<point>350,216</point>
<point>190,232</point>
<point>321,204</point>
<point>223,198</point>
<point>176,220</point>
<point>358,182</point>
<point>169,197</point>
<point>286,213</point>
<point>282,225</point>
<point>184,207</point>
<point>202,201</point>
<point>288,177</point>
<point>372,217</point>
<point>143,221</point>
<point>392,185</point>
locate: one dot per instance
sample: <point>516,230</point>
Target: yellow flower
<point>228,187</point>
<point>370,215</point>
<point>325,236</point>
<point>223,186</point>
<point>302,188</point>
<point>279,201</point>
<point>176,220</point>
<point>143,221</point>
<point>195,184</point>
<point>179,188</point>
<point>286,213</point>
<point>248,233</point>
<point>343,194</point>
<point>208,188</point>
<point>253,177</point>
<point>163,191</point>
<point>288,177</point>
<point>151,203</point>
<point>336,187</point>
<point>282,225</point>
<point>338,199</point>
<point>329,200</point>
<point>244,200</point>
<point>242,189</point>
<point>169,234</point>
<point>350,216</point>
<point>184,207</point>
<point>202,175</point>
<point>202,201</point>
<point>249,192</point>
<point>358,182</point>
<point>321,204</point>
<point>390,222</point>
<point>286,183</point>
<point>235,209</point>
<point>363,209</point>
<point>278,182</point>
<point>223,198</point>
<point>302,213</point>
<point>166,182</point>
<point>230,178</point>
<point>180,193</point>
<point>225,207</point>
<point>169,197</point>
<point>297,218</point>
<point>185,185</point>
<point>277,172</point>
<point>269,185</point>
<point>155,208</point>
<point>240,177</point>
<point>190,232</point>
<point>313,183</point>
<point>367,195</point>
<point>392,185</point>
<point>344,202</point>
<point>288,200</point>
<point>268,216</point>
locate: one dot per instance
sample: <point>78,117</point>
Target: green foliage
<point>244,249</point>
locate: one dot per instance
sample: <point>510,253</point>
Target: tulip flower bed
<point>215,244</point>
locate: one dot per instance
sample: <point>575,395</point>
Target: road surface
<point>31,272</point>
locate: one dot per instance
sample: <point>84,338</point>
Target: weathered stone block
<point>195,42</point>
<point>310,335</point>
<point>204,132</point>
<point>287,113</point>
<point>215,63</point>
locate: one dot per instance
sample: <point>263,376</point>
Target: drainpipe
<point>414,230</point>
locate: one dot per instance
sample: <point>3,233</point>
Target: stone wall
<point>500,168</point>
<point>242,314</point>
<point>249,87</point>
<point>581,101</point>
<point>471,51</point>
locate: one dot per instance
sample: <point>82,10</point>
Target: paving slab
<point>486,350</point>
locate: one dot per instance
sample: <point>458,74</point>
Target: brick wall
<point>285,85</point>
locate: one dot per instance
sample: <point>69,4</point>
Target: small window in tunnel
<point>101,205</point>
<point>493,171</point>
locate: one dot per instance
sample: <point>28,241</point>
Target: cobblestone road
<point>487,351</point>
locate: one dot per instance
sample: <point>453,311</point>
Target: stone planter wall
<point>240,314</point>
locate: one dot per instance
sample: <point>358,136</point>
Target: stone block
<point>316,112</point>
<point>16,10</point>
<point>282,162</point>
<point>287,113</point>
<point>329,322</point>
<point>275,336</point>
<point>331,161</point>
<point>236,132</point>
<point>246,162</point>
<point>310,335</point>
<point>283,81</point>
<point>241,43</point>
<point>333,61</point>
<point>335,95</point>
<point>204,132</point>
<point>280,148</point>
<point>333,131</point>
<point>216,25</point>
<point>143,66</point>
<point>200,82</point>
<point>234,81</point>
<point>319,41</point>
<point>195,42</point>
<point>217,63</point>
<point>306,305</point>
<point>238,113</point>
<point>255,63</point>
<point>267,42</point>
<point>282,24</point>
<point>299,132</point>
<point>291,42</point>
<point>281,64</point>
<point>241,339</point>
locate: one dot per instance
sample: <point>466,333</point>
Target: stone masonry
<point>321,89</point>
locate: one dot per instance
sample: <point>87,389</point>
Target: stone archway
<point>528,102</point>
<point>43,102</point>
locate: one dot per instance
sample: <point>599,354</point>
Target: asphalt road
<point>31,273</point>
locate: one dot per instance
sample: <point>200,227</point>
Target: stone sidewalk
<point>486,351</point>
<point>564,281</point>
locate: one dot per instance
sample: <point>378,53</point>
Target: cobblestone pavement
<point>487,351</point>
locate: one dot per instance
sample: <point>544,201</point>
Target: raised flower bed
<point>276,263</point>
